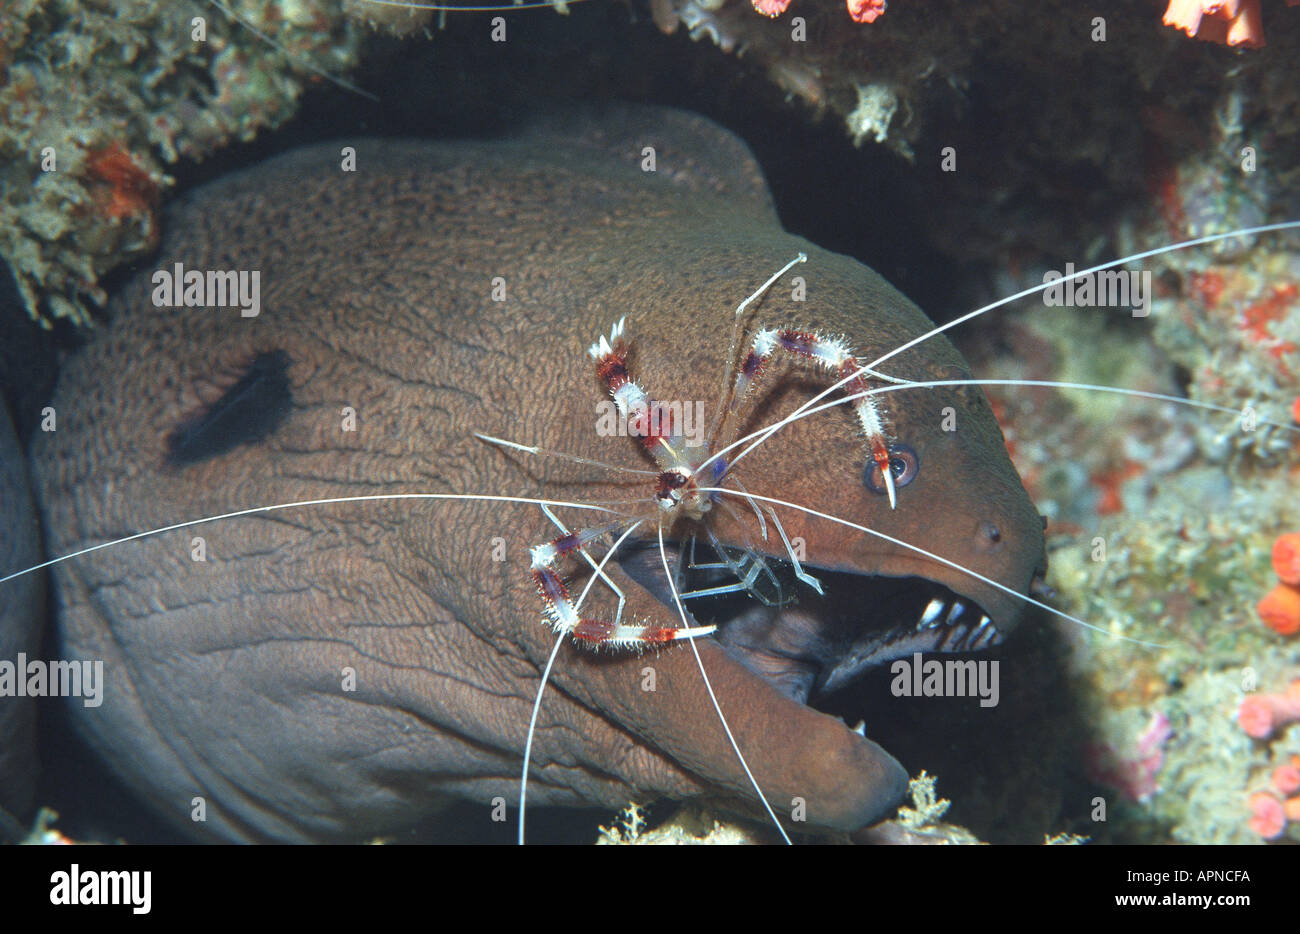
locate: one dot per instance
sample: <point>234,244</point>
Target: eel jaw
<point>816,646</point>
<point>820,646</point>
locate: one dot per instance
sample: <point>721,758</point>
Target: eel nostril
<point>990,533</point>
<point>1039,588</point>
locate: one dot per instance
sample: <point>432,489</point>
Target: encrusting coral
<point>98,95</point>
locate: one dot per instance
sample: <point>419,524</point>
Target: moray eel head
<point>947,570</point>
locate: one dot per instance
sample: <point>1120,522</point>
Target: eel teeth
<point>985,633</point>
<point>861,728</point>
<point>932,615</point>
<point>939,614</point>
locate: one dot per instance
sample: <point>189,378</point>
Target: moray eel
<point>336,672</point>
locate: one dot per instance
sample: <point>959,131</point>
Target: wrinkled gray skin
<point>22,609</point>
<point>225,676</point>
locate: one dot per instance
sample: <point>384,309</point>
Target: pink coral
<point>1270,813</point>
<point>1267,815</point>
<point>771,8</point>
<point>1260,715</point>
<point>1185,15</point>
<point>866,11</point>
<point>1286,779</point>
<point>1133,771</point>
<point>1228,22</point>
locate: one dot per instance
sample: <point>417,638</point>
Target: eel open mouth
<point>811,646</point>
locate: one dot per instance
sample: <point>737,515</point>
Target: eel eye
<point>904,463</point>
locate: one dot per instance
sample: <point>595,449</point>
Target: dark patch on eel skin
<point>225,677</point>
<point>246,413</point>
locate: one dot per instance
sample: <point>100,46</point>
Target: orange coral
<point>1286,558</point>
<point>1280,609</point>
<point>1208,285</point>
<point>1111,484</point>
<point>127,190</point>
<point>1227,22</point>
<point>1273,307</point>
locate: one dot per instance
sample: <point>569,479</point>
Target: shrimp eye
<point>904,463</point>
